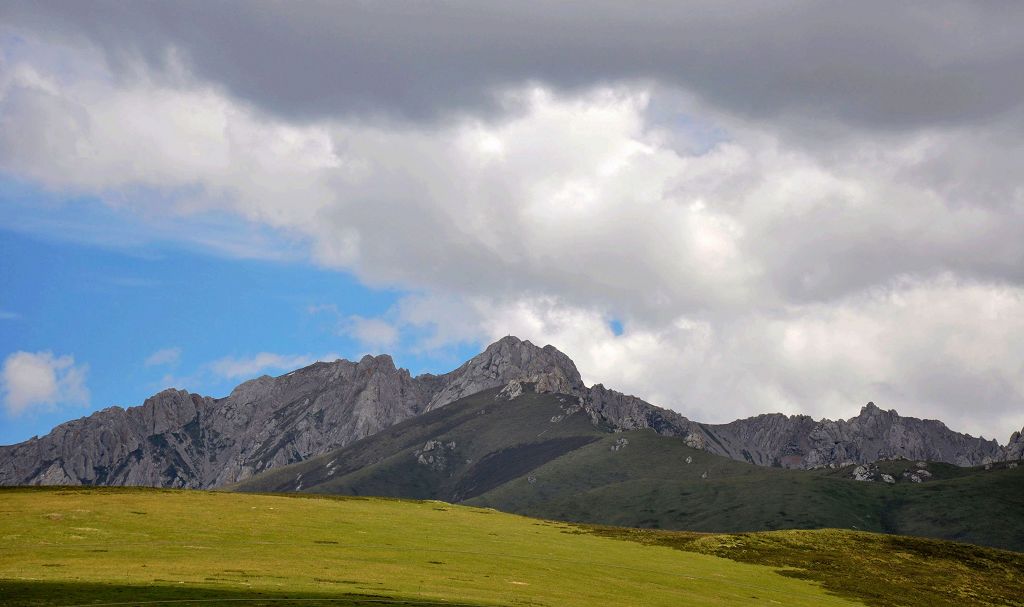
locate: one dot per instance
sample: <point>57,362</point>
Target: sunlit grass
<point>77,546</point>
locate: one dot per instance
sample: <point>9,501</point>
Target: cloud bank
<point>789,207</point>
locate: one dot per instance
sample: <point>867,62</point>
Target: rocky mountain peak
<point>382,362</point>
<point>507,359</point>
<point>872,410</point>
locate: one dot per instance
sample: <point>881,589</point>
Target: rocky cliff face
<point>155,444</point>
<point>801,442</point>
<point>1015,448</point>
<point>178,439</point>
<point>624,412</point>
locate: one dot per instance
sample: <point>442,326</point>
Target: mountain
<point>180,439</point>
<point>542,454</point>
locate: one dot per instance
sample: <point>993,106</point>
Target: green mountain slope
<point>648,484</point>
<point>539,455</point>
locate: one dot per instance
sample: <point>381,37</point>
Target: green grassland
<point>65,546</point>
<point>513,456</point>
<point>132,546</point>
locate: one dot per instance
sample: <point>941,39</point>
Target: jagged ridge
<point>801,442</point>
<point>179,439</point>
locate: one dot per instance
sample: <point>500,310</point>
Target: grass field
<point>68,547</point>
<point>136,546</point>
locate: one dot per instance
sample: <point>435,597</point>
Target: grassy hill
<point>647,484</point>
<point>535,456</point>
<point>64,546</point>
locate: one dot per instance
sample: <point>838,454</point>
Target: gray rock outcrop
<point>864,472</point>
<point>1015,448</point>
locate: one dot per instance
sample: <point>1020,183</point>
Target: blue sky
<point>112,304</point>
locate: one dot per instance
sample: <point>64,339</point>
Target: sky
<point>726,208</point>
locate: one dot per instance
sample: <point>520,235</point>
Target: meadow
<point>118,546</point>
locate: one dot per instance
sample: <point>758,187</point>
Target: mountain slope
<point>451,454</point>
<point>542,454</point>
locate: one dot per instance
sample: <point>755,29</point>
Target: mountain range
<point>180,439</point>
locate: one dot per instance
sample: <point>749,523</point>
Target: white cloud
<point>582,197</point>
<point>7,315</point>
<point>231,367</point>
<point>909,345</point>
<point>40,379</point>
<point>165,356</point>
<point>371,332</point>
<point>192,142</point>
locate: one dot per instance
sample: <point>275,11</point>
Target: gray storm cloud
<point>874,64</point>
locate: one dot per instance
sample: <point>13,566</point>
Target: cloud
<point>588,197</point>
<point>769,235</point>
<point>911,345</point>
<point>40,379</point>
<point>371,332</point>
<point>231,367</point>
<point>165,356</point>
<point>374,333</point>
<point>7,315</point>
